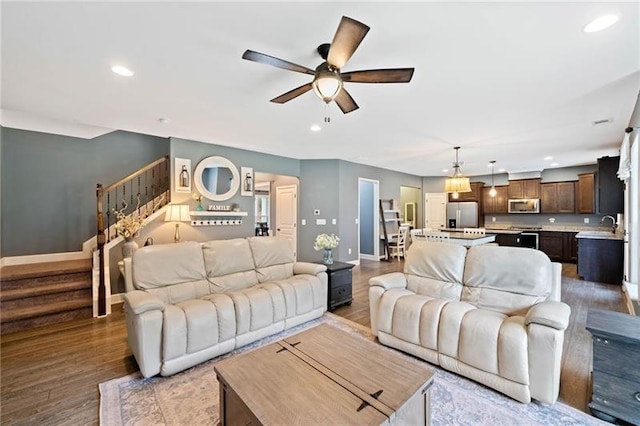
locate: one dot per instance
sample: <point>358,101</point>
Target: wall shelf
<point>218,213</point>
<point>217,218</point>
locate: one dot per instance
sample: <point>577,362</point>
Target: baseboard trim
<point>40,258</point>
<point>354,262</point>
<point>368,257</point>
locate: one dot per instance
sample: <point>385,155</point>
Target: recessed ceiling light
<point>555,164</point>
<point>502,170</point>
<point>548,157</point>
<point>315,128</point>
<point>445,170</point>
<point>123,71</point>
<point>601,23</point>
<point>163,120</point>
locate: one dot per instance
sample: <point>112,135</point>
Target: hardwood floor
<point>50,375</point>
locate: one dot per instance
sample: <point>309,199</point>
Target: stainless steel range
<point>529,237</point>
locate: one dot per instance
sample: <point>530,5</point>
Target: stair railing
<point>141,193</point>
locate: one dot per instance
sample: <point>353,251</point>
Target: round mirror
<point>216,178</point>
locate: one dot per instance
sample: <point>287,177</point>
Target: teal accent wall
<point>49,185</point>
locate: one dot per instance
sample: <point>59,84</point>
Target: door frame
<point>376,220</point>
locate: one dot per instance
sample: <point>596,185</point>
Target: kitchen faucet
<point>613,223</point>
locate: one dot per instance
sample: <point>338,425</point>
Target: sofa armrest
<point>548,313</point>
<point>308,268</point>
<point>556,281</point>
<point>139,302</point>
<point>389,281</point>
<point>128,274</point>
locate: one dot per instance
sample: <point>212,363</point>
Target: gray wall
<point>49,183</point>
<point>366,193</point>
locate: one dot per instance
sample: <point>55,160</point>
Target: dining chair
<point>474,231</point>
<point>398,247</point>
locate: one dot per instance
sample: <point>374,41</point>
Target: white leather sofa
<point>190,302</point>
<point>492,314</point>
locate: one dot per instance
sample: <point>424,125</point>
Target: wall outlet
<point>304,222</point>
<point>493,219</point>
<point>586,220</point>
<point>334,221</point>
<point>321,221</point>
<point>356,220</point>
<point>349,251</point>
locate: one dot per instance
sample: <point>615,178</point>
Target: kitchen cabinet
<point>586,193</point>
<point>524,188</point>
<point>610,189</point>
<point>474,195</point>
<point>600,260</point>
<point>510,240</point>
<point>559,246</point>
<point>557,197</point>
<point>497,204</point>
<point>552,245</point>
<point>616,356</point>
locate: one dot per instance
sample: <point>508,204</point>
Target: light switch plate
<point>333,221</point>
<point>303,222</point>
<point>493,219</point>
<point>586,220</point>
<point>321,221</point>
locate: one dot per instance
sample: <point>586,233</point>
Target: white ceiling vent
<point>602,121</point>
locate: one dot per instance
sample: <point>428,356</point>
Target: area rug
<point>191,397</point>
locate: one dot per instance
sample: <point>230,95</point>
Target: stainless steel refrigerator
<point>465,214</point>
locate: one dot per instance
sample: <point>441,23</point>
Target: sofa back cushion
<point>273,258</point>
<point>174,272</point>
<point>435,269</point>
<point>229,265</point>
<point>506,279</point>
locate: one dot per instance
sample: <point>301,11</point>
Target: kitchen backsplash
<point>546,221</point>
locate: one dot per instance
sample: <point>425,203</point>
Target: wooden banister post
<point>102,297</point>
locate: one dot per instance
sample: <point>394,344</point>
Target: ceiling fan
<point>327,78</point>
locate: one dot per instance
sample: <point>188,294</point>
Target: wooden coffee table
<point>323,376</point>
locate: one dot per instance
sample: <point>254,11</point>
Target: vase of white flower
<point>198,199</point>
<point>326,243</point>
<point>129,247</point>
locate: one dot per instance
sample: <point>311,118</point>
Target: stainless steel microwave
<point>530,205</point>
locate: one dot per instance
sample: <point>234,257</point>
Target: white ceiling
<point>512,82</point>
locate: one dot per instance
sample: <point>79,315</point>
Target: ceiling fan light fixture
<point>457,183</point>
<point>327,83</point>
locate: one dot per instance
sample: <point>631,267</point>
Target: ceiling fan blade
<point>250,55</point>
<point>286,97</point>
<point>394,75</point>
<point>347,39</point>
<point>345,101</point>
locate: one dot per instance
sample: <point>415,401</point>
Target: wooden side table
<point>616,357</point>
<point>339,292</point>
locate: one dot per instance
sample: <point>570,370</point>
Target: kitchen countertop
<point>488,231</point>
<point>599,235</point>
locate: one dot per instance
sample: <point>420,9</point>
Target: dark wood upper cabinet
<point>525,188</point>
<point>474,195</point>
<point>497,204</point>
<point>610,193</point>
<point>549,198</point>
<point>586,193</point>
<point>566,197</point>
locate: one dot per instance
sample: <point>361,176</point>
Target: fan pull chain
<point>327,117</point>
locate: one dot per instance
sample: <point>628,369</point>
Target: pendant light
<point>457,183</point>
<point>492,191</point>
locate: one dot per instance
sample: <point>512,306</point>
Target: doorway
<point>435,210</point>
<point>410,199</point>
<point>276,206</point>
<point>368,219</point>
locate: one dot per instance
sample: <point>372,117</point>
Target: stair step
<point>30,312</point>
<point>44,269</point>
<point>44,320</point>
<point>44,289</point>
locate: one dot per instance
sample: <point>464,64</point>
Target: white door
<point>287,214</point>
<point>435,210</point>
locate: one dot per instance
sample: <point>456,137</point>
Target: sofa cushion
<point>506,279</point>
<point>173,272</point>
<point>273,258</point>
<point>229,265</point>
<point>435,269</point>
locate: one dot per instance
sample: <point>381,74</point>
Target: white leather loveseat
<point>492,314</point>
<point>190,302</point>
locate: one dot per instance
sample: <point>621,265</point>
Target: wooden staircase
<point>35,295</point>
